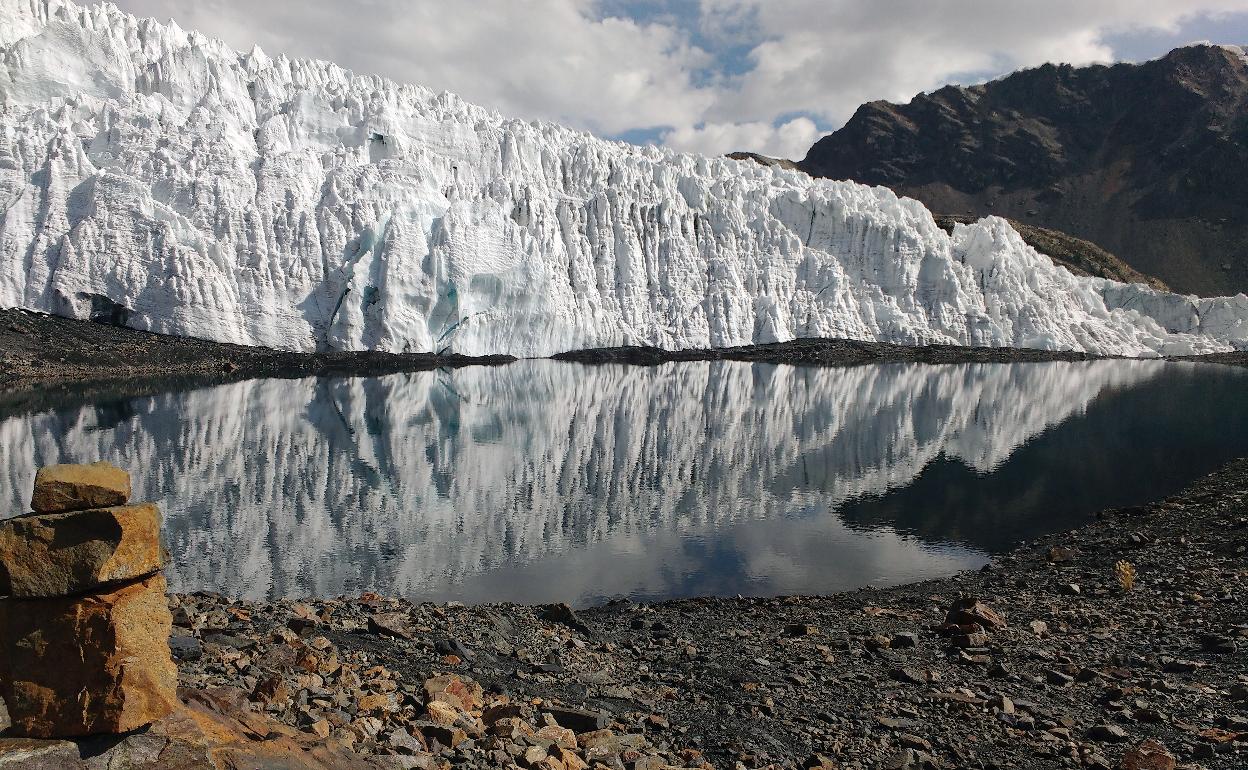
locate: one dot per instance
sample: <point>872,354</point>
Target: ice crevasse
<point>160,179</point>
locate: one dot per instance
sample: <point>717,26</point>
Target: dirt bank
<point>47,353</point>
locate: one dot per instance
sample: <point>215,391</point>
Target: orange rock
<point>271,689</point>
<point>220,728</point>
<point>549,763</point>
<point>89,664</point>
<point>60,554</point>
<point>376,702</point>
<point>562,736</point>
<point>208,730</point>
<point>512,727</point>
<point>1149,755</point>
<point>60,488</point>
<point>463,693</point>
<point>570,760</point>
<point>441,713</point>
<point>319,728</point>
<point>446,736</point>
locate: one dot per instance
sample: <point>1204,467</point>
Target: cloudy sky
<point>710,76</point>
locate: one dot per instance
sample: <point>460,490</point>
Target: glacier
<point>157,178</point>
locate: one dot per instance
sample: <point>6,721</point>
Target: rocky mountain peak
<point>1149,161</point>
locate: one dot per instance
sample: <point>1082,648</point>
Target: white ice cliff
<point>465,484</point>
<point>163,180</point>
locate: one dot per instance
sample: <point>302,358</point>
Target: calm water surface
<point>543,481</point>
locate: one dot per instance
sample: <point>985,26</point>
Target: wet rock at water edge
<point>393,624</point>
<point>562,613</point>
<point>750,694</point>
<point>60,488</point>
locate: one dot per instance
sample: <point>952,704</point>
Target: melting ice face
<point>542,481</point>
<point>152,177</point>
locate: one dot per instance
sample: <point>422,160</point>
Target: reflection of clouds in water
<point>752,558</point>
<point>419,482</point>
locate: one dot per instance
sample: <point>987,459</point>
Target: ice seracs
<point>154,177</point>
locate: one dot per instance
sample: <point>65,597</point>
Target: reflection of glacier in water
<point>541,480</point>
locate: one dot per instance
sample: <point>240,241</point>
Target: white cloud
<point>788,140</point>
<point>573,62</point>
<point>825,57</point>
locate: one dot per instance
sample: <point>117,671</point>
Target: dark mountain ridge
<point>1148,161</point>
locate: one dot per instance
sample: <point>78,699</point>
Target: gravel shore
<point>825,352</point>
<point>42,352</point>
<point>1042,659</point>
<point>47,355</point>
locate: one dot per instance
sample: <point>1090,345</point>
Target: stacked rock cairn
<point>84,627</point>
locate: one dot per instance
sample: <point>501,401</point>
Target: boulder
<point>578,720</point>
<point>61,554</point>
<point>90,664</point>
<point>562,613</point>
<point>60,488</point>
<point>462,693</point>
<point>970,611</point>
<point>1149,755</point>
<point>394,624</point>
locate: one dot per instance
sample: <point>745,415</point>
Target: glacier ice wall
<point>431,483</point>
<point>163,180</point>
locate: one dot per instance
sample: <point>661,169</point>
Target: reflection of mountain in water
<point>325,485</point>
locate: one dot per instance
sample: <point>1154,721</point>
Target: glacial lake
<point>545,481</point>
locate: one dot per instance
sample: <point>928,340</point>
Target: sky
<point>709,76</point>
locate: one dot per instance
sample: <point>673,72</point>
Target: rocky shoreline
<point>43,358</point>
<point>1043,659</point>
<point>37,351</point>
<point>824,352</point>
<point>1238,358</point>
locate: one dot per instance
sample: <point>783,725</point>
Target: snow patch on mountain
<point>1237,50</point>
<point>157,178</point>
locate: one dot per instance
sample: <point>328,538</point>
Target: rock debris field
<point>1041,660</point>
